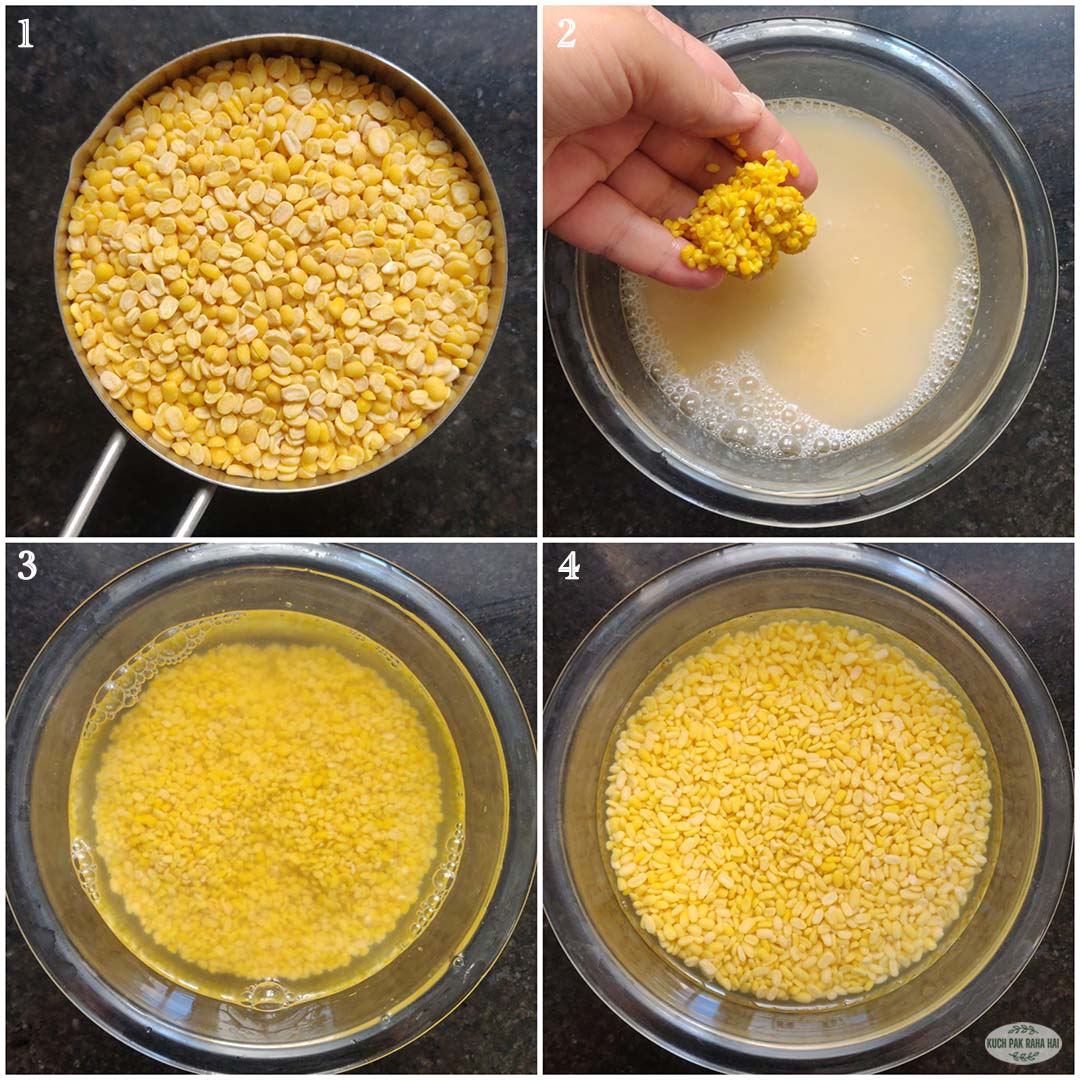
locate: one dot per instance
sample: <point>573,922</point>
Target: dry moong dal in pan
<point>278,267</point>
<point>798,811</point>
<point>275,798</point>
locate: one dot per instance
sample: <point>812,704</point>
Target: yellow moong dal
<point>743,223</point>
<point>798,811</point>
<point>279,268</point>
<point>268,811</point>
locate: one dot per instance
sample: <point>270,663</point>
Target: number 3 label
<point>29,567</point>
<point>568,26</point>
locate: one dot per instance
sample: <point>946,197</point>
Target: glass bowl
<point>932,103</point>
<point>418,987</point>
<point>1013,899</point>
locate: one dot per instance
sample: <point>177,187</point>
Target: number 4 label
<point>569,566</point>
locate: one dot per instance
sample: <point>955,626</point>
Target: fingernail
<point>750,101</point>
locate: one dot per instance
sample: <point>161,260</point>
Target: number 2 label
<point>568,26</point>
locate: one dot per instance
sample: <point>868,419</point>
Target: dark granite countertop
<point>474,477</point>
<point>1029,587</point>
<point>1022,57</point>
<point>494,1029</point>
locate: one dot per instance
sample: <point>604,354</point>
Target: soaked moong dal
<point>798,811</point>
<point>266,798</point>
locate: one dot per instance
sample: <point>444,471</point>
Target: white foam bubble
<point>734,401</point>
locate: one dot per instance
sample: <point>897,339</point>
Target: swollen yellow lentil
<point>744,223</point>
<point>278,268</point>
<point>798,811</point>
<point>268,811</point>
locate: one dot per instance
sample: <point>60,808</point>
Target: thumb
<point>669,87</point>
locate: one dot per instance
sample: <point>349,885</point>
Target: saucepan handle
<point>95,485</point>
<point>196,508</point>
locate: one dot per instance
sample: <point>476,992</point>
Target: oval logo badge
<point>1023,1044</point>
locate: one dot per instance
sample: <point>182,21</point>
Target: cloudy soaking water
<point>841,343</point>
<point>266,806</point>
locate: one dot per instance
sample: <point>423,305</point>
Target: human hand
<point>631,115</point>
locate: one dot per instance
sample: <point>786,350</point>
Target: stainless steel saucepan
<point>360,62</point>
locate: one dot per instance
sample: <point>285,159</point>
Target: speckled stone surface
<point>494,1030</point>
<point>476,476</point>
<point>1029,587</point>
<point>1022,57</point>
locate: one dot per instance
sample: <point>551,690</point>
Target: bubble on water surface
<point>124,687</point>
<point>82,858</point>
<point>267,996</point>
<point>442,881</point>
